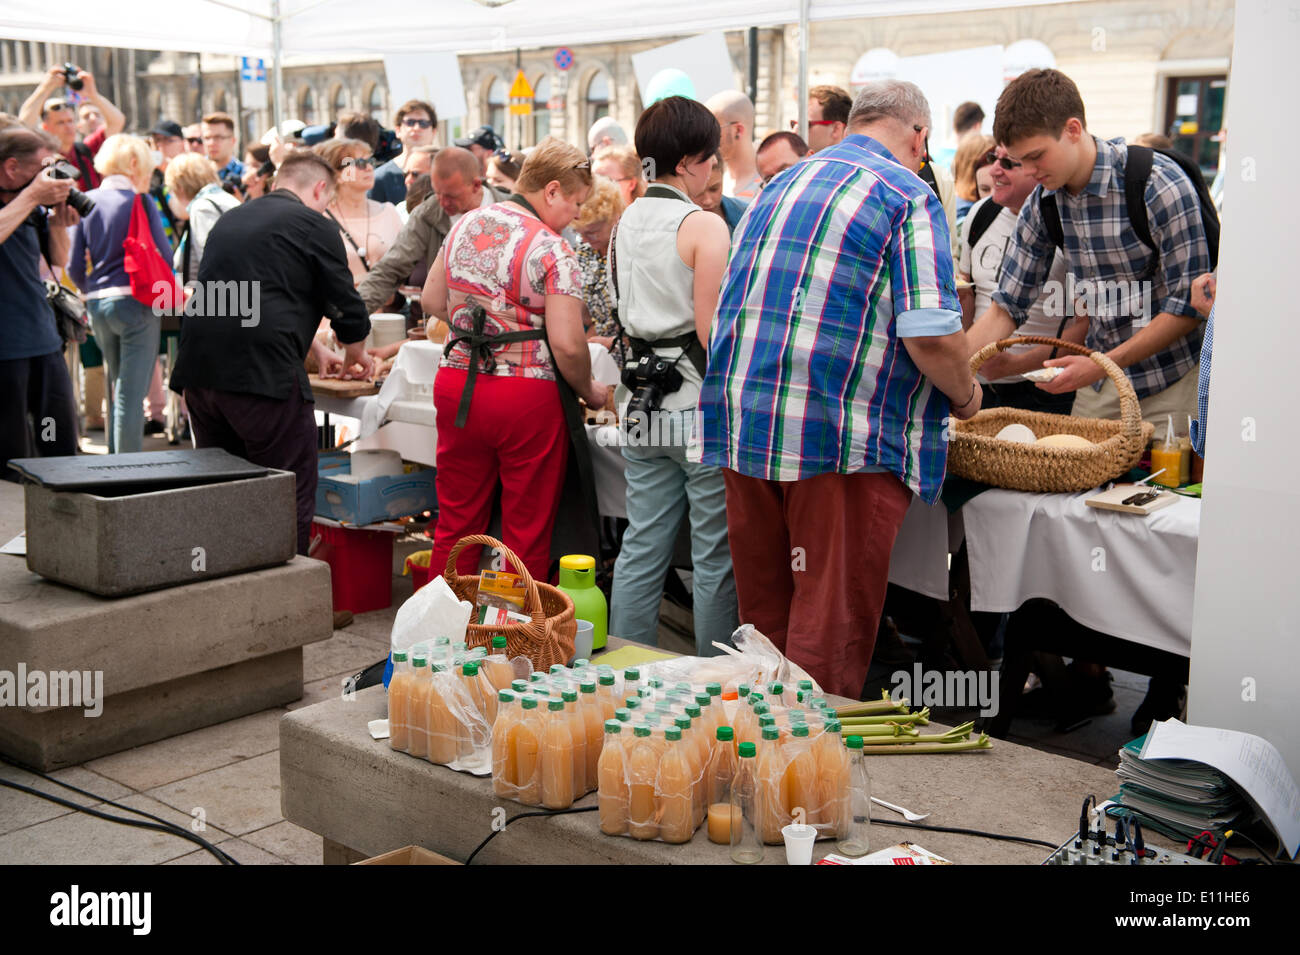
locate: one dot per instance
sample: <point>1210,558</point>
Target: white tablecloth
<point>1122,574</point>
<point>919,560</point>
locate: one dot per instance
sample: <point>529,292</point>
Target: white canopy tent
<point>272,28</point>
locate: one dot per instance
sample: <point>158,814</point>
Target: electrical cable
<point>162,826</point>
<point>964,832</point>
<point>526,815</point>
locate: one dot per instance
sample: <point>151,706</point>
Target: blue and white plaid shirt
<point>1107,262</point>
<point>1203,389</point>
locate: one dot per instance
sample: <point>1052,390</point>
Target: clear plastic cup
<point>799,841</point>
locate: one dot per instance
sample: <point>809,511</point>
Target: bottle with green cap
<point>591,714</point>
<point>631,681</point>
<point>856,841</point>
<point>527,745</point>
<point>399,692</point>
<point>557,760</point>
<point>578,733</point>
<point>833,764</point>
<point>742,819</point>
<point>773,787</point>
<point>801,775</point>
<point>417,706</point>
<point>497,667</point>
<point>805,691</point>
<point>612,773</point>
<point>676,788</point>
<point>519,686</point>
<point>623,714</point>
<point>505,772</point>
<point>605,694</point>
<point>776,692</point>
<point>578,580</point>
<point>719,776</point>
<point>642,769</point>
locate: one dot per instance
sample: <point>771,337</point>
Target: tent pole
<point>803,68</point>
<point>277,84</point>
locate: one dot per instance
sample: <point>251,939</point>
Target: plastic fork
<point>906,813</point>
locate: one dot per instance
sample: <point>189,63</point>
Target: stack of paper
<point>1186,796</point>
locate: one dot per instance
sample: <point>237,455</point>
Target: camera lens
<point>70,76</point>
<point>81,202</point>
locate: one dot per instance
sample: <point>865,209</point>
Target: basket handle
<point>532,599</point>
<point>1130,412</point>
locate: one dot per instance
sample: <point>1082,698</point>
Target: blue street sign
<point>252,70</point>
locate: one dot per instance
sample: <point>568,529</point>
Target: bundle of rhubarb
<point>888,727</point>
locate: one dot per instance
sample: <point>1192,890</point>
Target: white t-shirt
<point>983,264</point>
<point>486,201</point>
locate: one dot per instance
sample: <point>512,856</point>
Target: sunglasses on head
<point>361,162</point>
<point>416,123</point>
<point>584,166</point>
<point>992,157</point>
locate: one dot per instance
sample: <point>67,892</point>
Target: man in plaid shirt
<point>1147,326</point>
<point>836,361</point>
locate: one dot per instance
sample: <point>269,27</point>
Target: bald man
<point>458,187</point>
<point>735,115</point>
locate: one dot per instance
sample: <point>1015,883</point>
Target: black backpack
<point>1137,170</point>
<point>980,222</point>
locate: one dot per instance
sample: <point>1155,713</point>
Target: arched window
<point>219,101</point>
<point>307,106</point>
<point>497,98</point>
<point>597,97</point>
<point>541,112</point>
<point>339,100</point>
<point>378,102</point>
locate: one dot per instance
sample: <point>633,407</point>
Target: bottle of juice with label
<point>527,744</point>
<point>417,706</point>
<point>594,719</point>
<point>557,758</point>
<point>505,771</point>
<point>605,694</point>
<point>399,687</point>
<point>578,733</point>
<point>719,777</point>
<point>856,841</point>
<point>801,777</point>
<point>643,767</point>
<point>612,772</point>
<point>774,795</point>
<point>832,760</point>
<point>746,809</point>
<point>676,790</point>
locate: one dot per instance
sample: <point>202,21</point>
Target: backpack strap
<point>1137,170</point>
<point>980,222</point>
<point>689,342</point>
<point>1047,208</point>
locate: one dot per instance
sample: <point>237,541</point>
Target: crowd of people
<point>794,318</point>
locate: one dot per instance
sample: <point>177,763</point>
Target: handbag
<point>153,282</point>
<point>69,312</point>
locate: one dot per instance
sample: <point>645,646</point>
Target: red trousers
<point>812,564</point>
<point>515,433</point>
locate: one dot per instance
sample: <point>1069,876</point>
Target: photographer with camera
<point>56,113</point>
<point>666,265</point>
<point>37,413</point>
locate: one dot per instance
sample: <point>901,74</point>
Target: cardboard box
<point>342,499</point>
<point>409,855</point>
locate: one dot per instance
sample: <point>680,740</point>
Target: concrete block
<point>53,737</point>
<point>114,546</point>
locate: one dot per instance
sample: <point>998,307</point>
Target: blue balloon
<point>670,82</point>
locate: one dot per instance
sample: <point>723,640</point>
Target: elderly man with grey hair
<point>605,131</point>
<point>735,115</point>
<point>836,362</point>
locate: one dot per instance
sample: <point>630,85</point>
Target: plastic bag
<point>432,611</point>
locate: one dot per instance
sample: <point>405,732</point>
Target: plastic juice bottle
<point>623,714</point>
<point>1168,454</point>
<point>578,580</point>
<point>710,714</point>
<point>608,701</point>
<point>718,778</point>
<point>856,841</point>
<point>746,809</point>
<point>801,777</point>
<point>643,767</point>
<point>519,686</point>
<point>480,691</point>
<point>578,747</point>
<point>612,771</point>
<point>695,763</point>
<point>676,786</point>
<point>497,667</point>
<point>557,758</point>
<point>773,791</point>
<point>399,687</point>
<point>776,693</point>
<point>805,691</point>
<point>833,779</point>
<point>527,742</point>
<point>742,692</point>
<point>594,718</point>
<point>505,768</point>
<point>631,681</point>
<point>417,706</point>
<point>448,736</point>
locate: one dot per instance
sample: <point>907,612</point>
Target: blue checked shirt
<point>835,262</point>
<point>1107,261</point>
<point>1203,388</point>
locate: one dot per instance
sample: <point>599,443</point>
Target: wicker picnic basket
<point>975,453</point>
<point>548,639</point>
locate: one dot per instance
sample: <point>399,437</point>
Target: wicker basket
<point>975,453</point>
<point>549,639</point>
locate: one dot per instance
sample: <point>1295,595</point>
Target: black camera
<point>76,198</point>
<point>649,379</point>
<point>70,77</point>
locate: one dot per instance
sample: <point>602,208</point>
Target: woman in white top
<point>196,196</point>
<point>368,227</point>
<point>666,267</point>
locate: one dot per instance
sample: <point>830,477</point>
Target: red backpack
<point>153,282</point>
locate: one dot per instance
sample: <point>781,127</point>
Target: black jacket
<point>271,268</point>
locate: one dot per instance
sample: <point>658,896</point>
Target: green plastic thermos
<point>578,580</point>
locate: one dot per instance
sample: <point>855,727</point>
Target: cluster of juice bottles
<point>442,699</point>
<point>546,739</point>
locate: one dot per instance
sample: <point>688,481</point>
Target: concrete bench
<point>364,799</point>
<point>170,661</point>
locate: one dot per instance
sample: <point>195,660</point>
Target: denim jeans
<point>661,485</point>
<point>127,333</point>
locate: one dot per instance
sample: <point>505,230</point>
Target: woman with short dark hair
<point>667,262</point>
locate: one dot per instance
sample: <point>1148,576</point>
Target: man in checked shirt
<point>1040,120</point>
